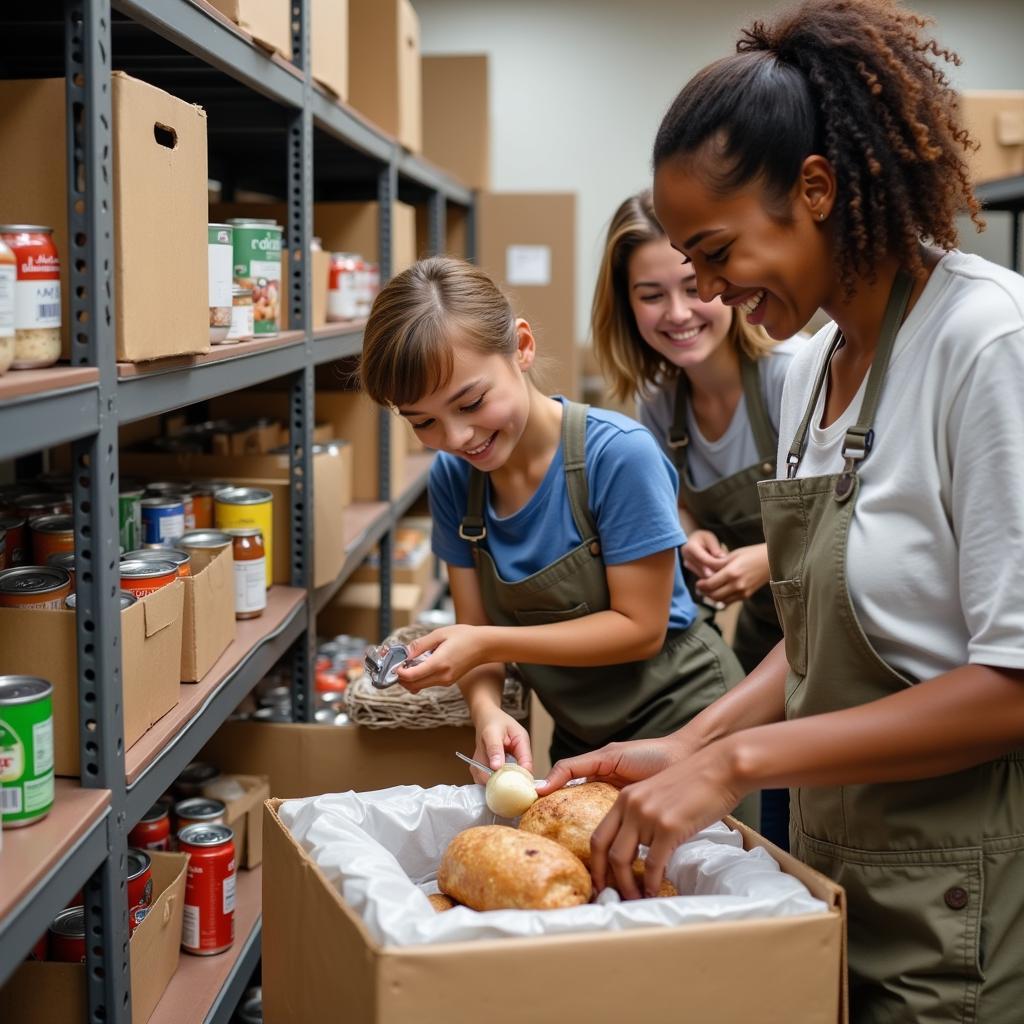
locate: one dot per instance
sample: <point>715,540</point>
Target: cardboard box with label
<point>161,305</point>
<point>209,616</point>
<point>995,119</point>
<point>43,643</point>
<point>456,116</point>
<point>55,993</point>
<point>355,610</point>
<point>267,21</point>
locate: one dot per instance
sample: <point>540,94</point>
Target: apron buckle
<point>792,461</point>
<point>678,442</point>
<point>472,529</point>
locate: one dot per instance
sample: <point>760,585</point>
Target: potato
<point>569,816</point>
<point>510,791</point>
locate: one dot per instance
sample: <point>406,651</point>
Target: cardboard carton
<point>267,21</point>
<point>995,119</point>
<point>209,616</point>
<point>161,304</point>
<point>412,560</point>
<point>42,643</point>
<point>321,270</point>
<point>244,815</point>
<point>355,610</point>
<point>328,43</point>
<point>55,993</point>
<point>456,116</point>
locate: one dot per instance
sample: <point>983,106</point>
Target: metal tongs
<point>383,661</point>
<point>509,759</point>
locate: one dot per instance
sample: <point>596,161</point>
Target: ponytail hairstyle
<point>628,363</point>
<point>408,340</point>
<point>856,82</point>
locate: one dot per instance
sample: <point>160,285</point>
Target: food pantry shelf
<point>431,179</point>
<point>40,408</point>
<point>337,341</point>
<point>43,865</point>
<point>155,761</point>
<point>206,989</point>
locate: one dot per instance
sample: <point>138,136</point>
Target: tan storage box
<point>456,116</point>
<point>161,306</point>
<point>209,618</point>
<point>791,969</point>
<point>356,610</point>
<point>42,643</point>
<point>321,270</point>
<point>267,21</point>
<point>55,993</point>
<point>527,244</point>
<point>384,67</point>
<point>995,118</point>
<point>412,560</point>
<point>328,43</point>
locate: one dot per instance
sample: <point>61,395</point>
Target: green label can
<point>129,507</point>
<point>257,253</point>
<point>26,749</point>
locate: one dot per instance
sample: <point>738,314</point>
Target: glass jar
<point>37,297</point>
<point>250,572</point>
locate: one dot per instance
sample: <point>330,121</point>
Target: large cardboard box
<point>328,43</point>
<point>209,617</point>
<point>306,760</point>
<point>161,305</point>
<point>995,118</point>
<point>267,21</point>
<point>527,244</point>
<point>42,643</point>
<point>384,67</point>
<point>456,116</point>
<point>791,969</point>
<point>355,610</point>
<point>55,993</point>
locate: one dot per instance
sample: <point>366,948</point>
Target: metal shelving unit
<point>310,146</point>
<point>1006,195</point>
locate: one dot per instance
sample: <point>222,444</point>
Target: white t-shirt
<point>935,560</point>
<point>711,461</point>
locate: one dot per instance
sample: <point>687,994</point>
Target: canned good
<point>343,287</point>
<point>26,750</point>
<point>250,1009</point>
<point>192,779</point>
<point>140,887</point>
<point>67,936</point>
<point>64,560</point>
<point>39,587</point>
<point>250,565</point>
<point>140,577</point>
<point>208,924</point>
<point>220,265</point>
<point>204,546</point>
<point>275,714</point>
<point>174,491</point>
<point>202,505</point>
<point>15,529</point>
<point>36,295</point>
<point>199,810</point>
<point>153,831</point>
<point>8,283</point>
<point>126,599</point>
<point>51,535</point>
<point>257,249</point>
<point>3,548</point>
<point>163,519</point>
<point>242,323</point>
<point>29,506</point>
<point>236,507</point>
<point>38,951</point>
<point>129,511</point>
<point>180,559</point>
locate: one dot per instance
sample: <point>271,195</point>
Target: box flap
<point>163,607</point>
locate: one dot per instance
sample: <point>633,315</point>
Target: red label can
<point>142,578</point>
<point>140,887</point>
<point>208,924</point>
<point>153,832</point>
<point>67,936</point>
<point>17,550</point>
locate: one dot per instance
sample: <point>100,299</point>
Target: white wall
<point>578,87</point>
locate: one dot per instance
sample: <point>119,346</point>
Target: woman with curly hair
<point>823,165</point>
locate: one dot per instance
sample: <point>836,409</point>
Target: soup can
<point>192,779</point>
<point>163,519</point>
<point>67,936</point>
<point>129,511</point>
<point>220,265</point>
<point>140,887</point>
<point>64,560</point>
<point>199,810</point>
<point>181,560</point>
<point>26,750</point>
<point>28,506</point>
<point>153,831</point>
<point>202,505</point>
<point>250,1009</point>
<point>248,506</point>
<point>174,491</point>
<point>208,924</point>
<point>51,535</point>
<point>39,587</point>
<point>257,254</point>
<point>204,546</point>
<point>140,577</point>
<point>126,599</point>
<point>15,529</point>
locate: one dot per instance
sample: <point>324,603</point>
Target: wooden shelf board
<point>21,383</point>
<point>216,354</point>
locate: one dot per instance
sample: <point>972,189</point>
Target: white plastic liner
<point>381,852</point>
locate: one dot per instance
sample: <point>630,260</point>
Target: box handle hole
<point>166,137</point>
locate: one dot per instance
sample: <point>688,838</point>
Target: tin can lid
<point>138,863</point>
<point>161,554</point>
<point>162,502</point>
<point>11,522</point>
<point>69,922</point>
<point>33,579</point>
<point>132,492</point>
<point>36,229</point>
<point>254,222</point>
<point>199,807</point>
<point>155,813</point>
<point>140,569</point>
<point>206,835</point>
<point>198,772</point>
<point>204,539</point>
<point>38,499</point>
<point>63,560</point>
<point>213,225</point>
<point>126,599</point>
<point>61,523</point>
<point>23,689</point>
<point>243,496</point>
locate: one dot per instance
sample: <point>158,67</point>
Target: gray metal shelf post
<point>437,217</point>
<point>95,492</point>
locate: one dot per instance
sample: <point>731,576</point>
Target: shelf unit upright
<point>323,149</point>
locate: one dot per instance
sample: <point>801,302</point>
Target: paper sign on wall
<point>528,264</point>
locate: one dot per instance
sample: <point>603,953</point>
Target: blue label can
<point>163,519</point>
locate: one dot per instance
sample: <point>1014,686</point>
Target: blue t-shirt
<point>632,500</point>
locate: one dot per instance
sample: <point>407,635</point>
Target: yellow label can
<point>236,507</point>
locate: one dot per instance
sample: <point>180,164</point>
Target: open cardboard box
<point>42,643</point>
<point>355,610</point>
<point>209,616</point>
<point>55,993</point>
<point>318,956</point>
<point>245,815</point>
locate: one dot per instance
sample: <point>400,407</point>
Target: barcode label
<point>48,310</point>
<point>10,801</point>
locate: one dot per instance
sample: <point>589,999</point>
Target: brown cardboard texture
<point>995,119</point>
<point>356,609</point>
<point>321,269</point>
<point>306,760</point>
<point>328,44</point>
<point>55,993</point>
<point>267,21</point>
<point>245,816</point>
<point>159,150</point>
<point>209,618</point>
<point>384,75</point>
<point>318,955</point>
<point>456,116</point>
<point>533,234</point>
<point>455,240</point>
<point>42,643</point>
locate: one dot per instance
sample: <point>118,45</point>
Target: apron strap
<point>574,443</point>
<point>678,435</point>
<point>765,437</point>
<point>472,527</point>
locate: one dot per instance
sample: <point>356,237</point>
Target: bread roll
<point>440,902</point>
<point>493,867</point>
<point>569,816</point>
<point>665,889</point>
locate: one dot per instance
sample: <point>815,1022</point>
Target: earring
<point>821,216</point>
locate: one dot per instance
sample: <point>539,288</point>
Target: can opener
<point>383,661</point>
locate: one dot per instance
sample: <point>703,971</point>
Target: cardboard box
<point>412,560</point>
<point>321,270</point>
<point>527,244</point>
<point>209,616</point>
<point>456,238</point>
<point>306,760</point>
<point>161,305</point>
<point>384,67</point>
<point>356,610</point>
<point>43,644</point>
<point>245,816</point>
<point>55,993</point>
<point>328,43</point>
<point>995,119</point>
<point>792,969</point>
<point>267,21</point>
<point>456,116</point>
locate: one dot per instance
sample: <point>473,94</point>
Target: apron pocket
<point>543,616</point>
<point>789,603</point>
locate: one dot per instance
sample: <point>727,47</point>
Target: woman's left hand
<point>744,572</point>
<point>455,651</point>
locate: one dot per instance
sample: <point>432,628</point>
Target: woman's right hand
<point>498,733</point>
<point>702,554</point>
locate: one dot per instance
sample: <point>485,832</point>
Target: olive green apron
<point>933,869</point>
<point>730,509</point>
<point>598,705</point>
